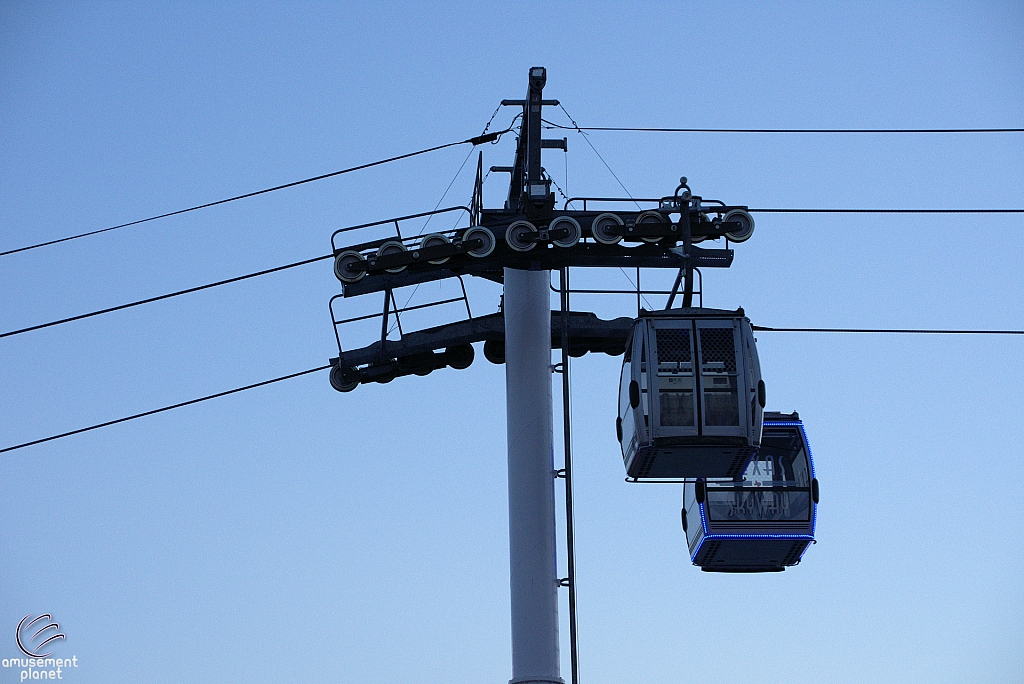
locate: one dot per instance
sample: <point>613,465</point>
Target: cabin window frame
<point>654,382</point>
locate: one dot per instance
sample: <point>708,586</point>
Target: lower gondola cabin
<point>762,521</point>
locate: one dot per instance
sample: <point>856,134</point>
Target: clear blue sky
<point>294,534</point>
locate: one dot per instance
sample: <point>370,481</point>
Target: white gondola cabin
<point>690,395</point>
<point>764,520</point>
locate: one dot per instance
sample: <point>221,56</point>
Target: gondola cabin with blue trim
<point>764,520</point>
<point>690,395</point>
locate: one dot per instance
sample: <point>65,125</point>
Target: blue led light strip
<point>760,536</point>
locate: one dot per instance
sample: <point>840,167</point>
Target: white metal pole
<point>531,486</point>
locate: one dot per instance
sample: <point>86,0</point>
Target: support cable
<point>558,187</point>
<point>551,124</point>
<point>585,137</point>
<point>757,328</point>
<point>463,165</point>
<point>448,189</point>
<point>570,534</point>
<point>887,211</point>
<point>426,223</point>
<point>166,296</point>
<point>477,140</point>
<point>636,287</point>
<point>913,331</point>
<point>581,130</point>
<point>161,410</point>
<point>236,279</point>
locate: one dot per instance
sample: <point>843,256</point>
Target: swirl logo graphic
<point>50,630</point>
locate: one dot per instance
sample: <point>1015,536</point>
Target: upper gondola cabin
<point>690,395</point>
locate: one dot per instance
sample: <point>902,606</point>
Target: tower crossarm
<point>423,351</point>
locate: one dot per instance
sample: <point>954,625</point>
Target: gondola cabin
<point>690,395</point>
<point>764,520</point>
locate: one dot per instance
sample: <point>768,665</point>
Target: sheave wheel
<point>486,238</point>
<point>649,217</point>
<point>435,240</point>
<point>746,222</point>
<point>342,267</point>
<point>391,247</point>
<point>518,236</point>
<point>339,382</point>
<point>566,223</point>
<point>601,226</point>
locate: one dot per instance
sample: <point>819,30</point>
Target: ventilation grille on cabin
<point>794,553</point>
<point>673,345</point>
<point>716,346</point>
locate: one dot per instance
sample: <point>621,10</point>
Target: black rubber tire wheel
<point>761,394</point>
<point>460,356</point>
<point>494,351</point>
<point>340,383</point>
<point>814,490</point>
<point>421,364</point>
<point>618,429</point>
<point>683,512</point>
<point>700,492</point>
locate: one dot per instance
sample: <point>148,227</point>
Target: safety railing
<point>391,307</point>
<point>409,241</point>
<point>639,292</point>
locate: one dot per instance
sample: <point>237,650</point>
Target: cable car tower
<point>518,246</point>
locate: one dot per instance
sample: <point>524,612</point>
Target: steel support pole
<point>531,485</point>
<point>570,534</point>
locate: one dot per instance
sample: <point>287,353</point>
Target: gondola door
<point>673,384</point>
<point>722,413</point>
